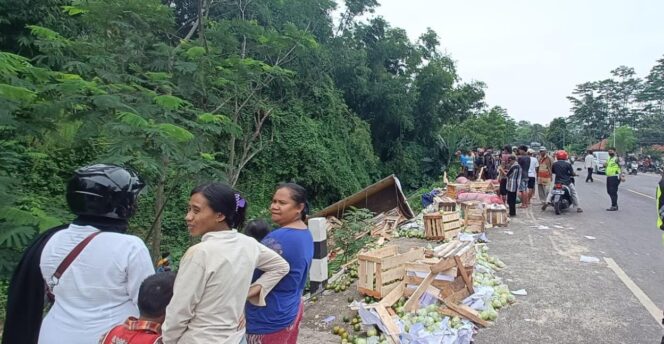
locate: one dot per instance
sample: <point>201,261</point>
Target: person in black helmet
<point>99,288</point>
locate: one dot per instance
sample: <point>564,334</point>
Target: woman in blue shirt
<point>279,321</point>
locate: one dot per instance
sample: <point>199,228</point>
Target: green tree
<point>623,139</point>
<point>557,133</point>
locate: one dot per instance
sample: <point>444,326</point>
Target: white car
<point>600,159</point>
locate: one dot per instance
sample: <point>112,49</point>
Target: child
<point>257,229</point>
<point>154,295</point>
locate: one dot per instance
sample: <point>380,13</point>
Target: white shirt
<point>532,169</point>
<point>589,160</point>
<point>211,288</point>
<point>98,290</point>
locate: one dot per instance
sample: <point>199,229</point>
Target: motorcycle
<point>633,168</point>
<point>562,198</point>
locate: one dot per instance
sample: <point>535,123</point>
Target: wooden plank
<point>457,249</point>
<point>464,275</point>
<point>393,274</point>
<point>369,292</point>
<point>468,313</point>
<point>370,276</point>
<point>379,278</point>
<point>387,288</point>
<point>414,302</point>
<point>450,313</point>
<point>443,265</point>
<point>417,267</point>
<point>393,296</point>
<point>400,259</point>
<point>362,274</point>
<point>390,325</point>
<point>414,280</point>
<point>452,246</point>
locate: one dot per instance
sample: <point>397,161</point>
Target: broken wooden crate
<point>497,216</point>
<point>382,270</point>
<point>450,271</point>
<point>442,226</point>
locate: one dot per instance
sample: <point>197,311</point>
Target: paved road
<point>574,302</point>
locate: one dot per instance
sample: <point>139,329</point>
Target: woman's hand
<point>254,290</point>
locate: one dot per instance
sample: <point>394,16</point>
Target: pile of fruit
<point>371,335</point>
<point>431,318</point>
<point>345,281</point>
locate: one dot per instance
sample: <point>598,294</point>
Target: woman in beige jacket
<point>214,278</point>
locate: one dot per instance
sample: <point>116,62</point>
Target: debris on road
<point>589,259</point>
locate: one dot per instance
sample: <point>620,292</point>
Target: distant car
<point>600,159</point>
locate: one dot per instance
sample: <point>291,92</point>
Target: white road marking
<point>630,190</point>
<point>640,295</point>
<point>640,194</point>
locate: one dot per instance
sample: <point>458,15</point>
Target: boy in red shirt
<point>154,295</point>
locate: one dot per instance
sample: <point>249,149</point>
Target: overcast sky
<point>532,53</point>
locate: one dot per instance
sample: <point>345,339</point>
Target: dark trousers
<point>590,175</point>
<point>511,201</point>
<point>612,189</point>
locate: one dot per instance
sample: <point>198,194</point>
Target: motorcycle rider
<point>564,173</point>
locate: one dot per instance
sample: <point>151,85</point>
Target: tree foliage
<point>249,92</point>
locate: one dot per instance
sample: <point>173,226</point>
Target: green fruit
<point>357,327</point>
<point>372,332</point>
<point>350,299</point>
<point>337,289</point>
<point>346,319</point>
<point>336,330</point>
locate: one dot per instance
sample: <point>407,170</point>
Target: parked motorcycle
<point>633,168</point>
<point>562,198</point>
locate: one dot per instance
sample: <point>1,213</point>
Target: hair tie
<point>239,202</point>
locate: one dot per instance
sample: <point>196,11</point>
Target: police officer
<point>612,178</point>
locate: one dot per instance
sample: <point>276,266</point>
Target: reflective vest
<point>660,203</point>
<point>612,167</point>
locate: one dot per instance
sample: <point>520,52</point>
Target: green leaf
<point>47,34</point>
<point>212,118</point>
<point>207,156</point>
<point>18,94</point>
<point>72,10</point>
<point>175,132</point>
<point>158,76</point>
<point>169,102</point>
<point>195,52</point>
<point>16,237</point>
<point>133,120</point>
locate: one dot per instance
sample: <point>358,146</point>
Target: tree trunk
<point>159,201</point>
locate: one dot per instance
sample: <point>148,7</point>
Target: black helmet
<point>105,191</point>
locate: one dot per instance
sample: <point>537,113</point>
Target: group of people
<point>520,170</point>
<point>101,285</point>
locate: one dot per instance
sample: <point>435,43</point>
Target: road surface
<point>615,300</point>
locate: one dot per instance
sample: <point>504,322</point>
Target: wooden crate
<point>465,206</point>
<point>454,189</point>
<point>449,216</point>
<point>435,227</point>
<point>445,204</point>
<point>474,220</point>
<point>382,270</point>
<point>480,186</point>
<point>497,217</point>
